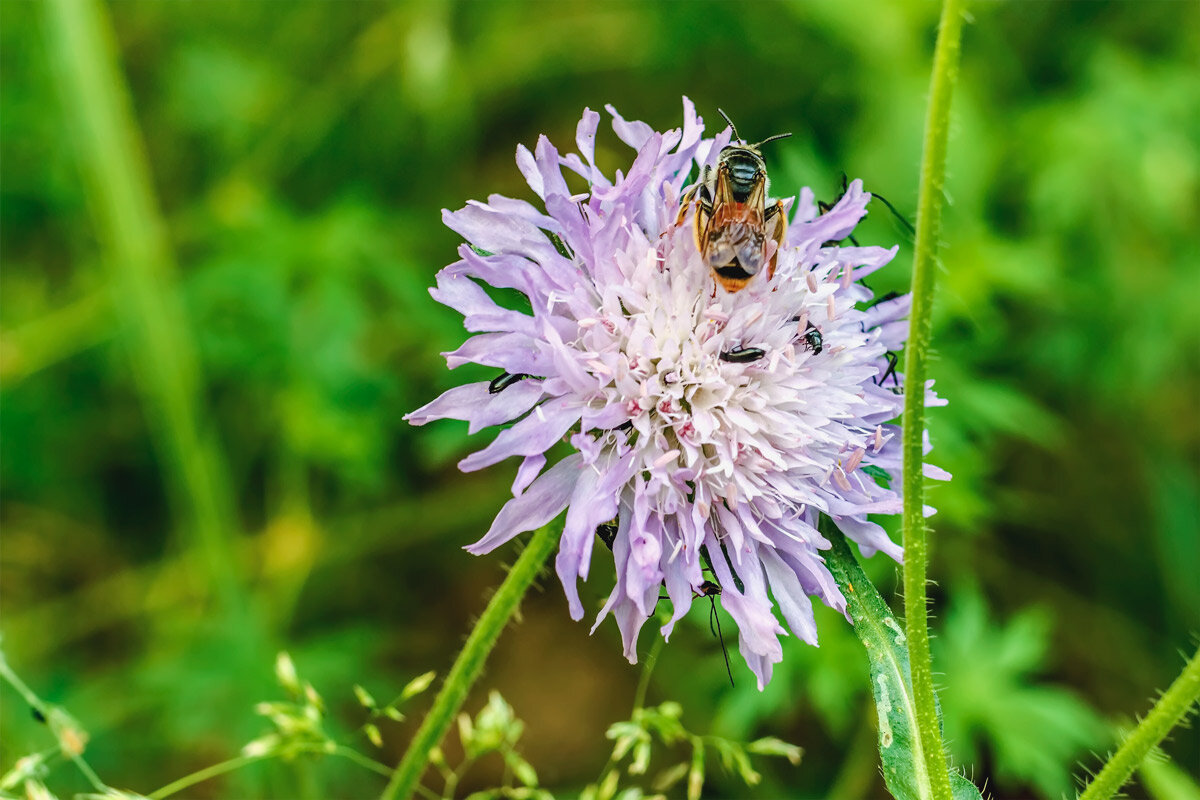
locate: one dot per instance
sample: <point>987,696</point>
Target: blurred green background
<point>204,460</point>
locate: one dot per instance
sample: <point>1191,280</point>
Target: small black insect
<point>607,533</point>
<point>743,355</point>
<point>505,380</point>
<point>38,715</point>
<point>813,339</point>
<point>712,590</point>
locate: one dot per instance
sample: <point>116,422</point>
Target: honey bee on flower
<point>738,230</point>
<point>709,429</point>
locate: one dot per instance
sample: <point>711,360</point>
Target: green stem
<point>1165,715</point>
<point>350,754</point>
<point>58,721</point>
<point>216,770</point>
<point>206,774</point>
<point>929,216</point>
<point>141,270</point>
<point>639,697</point>
<point>469,664</point>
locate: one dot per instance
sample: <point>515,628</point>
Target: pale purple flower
<point>687,450</point>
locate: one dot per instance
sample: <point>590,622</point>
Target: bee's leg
<point>684,203</point>
<point>774,216</point>
<point>700,222</point>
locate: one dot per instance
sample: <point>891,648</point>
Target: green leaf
<point>364,697</point>
<point>285,673</point>
<point>880,474</point>
<point>696,772</point>
<point>608,786</point>
<point>883,638</point>
<point>417,685</point>
<point>641,758</point>
<point>770,746</point>
<point>669,777</point>
<point>1164,780</point>
<point>522,769</point>
<point>466,731</point>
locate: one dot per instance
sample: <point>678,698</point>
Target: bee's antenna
<point>771,139</point>
<point>727,119</point>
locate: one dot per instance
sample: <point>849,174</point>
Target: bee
<point>733,219</point>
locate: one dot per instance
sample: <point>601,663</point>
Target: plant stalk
<point>112,159</point>
<point>930,199</point>
<point>1165,715</point>
<point>469,664</point>
<point>58,724</point>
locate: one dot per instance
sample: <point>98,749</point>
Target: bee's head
<point>741,157</point>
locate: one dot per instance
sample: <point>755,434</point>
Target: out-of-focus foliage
<point>301,154</point>
<point>992,695</point>
<point>661,726</point>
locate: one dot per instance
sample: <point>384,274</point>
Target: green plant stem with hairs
<point>1165,715</point>
<point>469,664</point>
<point>929,216</point>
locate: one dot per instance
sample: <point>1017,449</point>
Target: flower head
<point>712,427</point>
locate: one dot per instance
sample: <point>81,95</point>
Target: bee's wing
<point>723,191</point>
<point>721,252</point>
<point>700,223</point>
<point>758,194</point>
<point>750,253</point>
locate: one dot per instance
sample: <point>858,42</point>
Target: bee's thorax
<point>744,167</point>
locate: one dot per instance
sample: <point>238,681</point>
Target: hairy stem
<point>469,664</point>
<point>1165,715</point>
<point>929,216</point>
